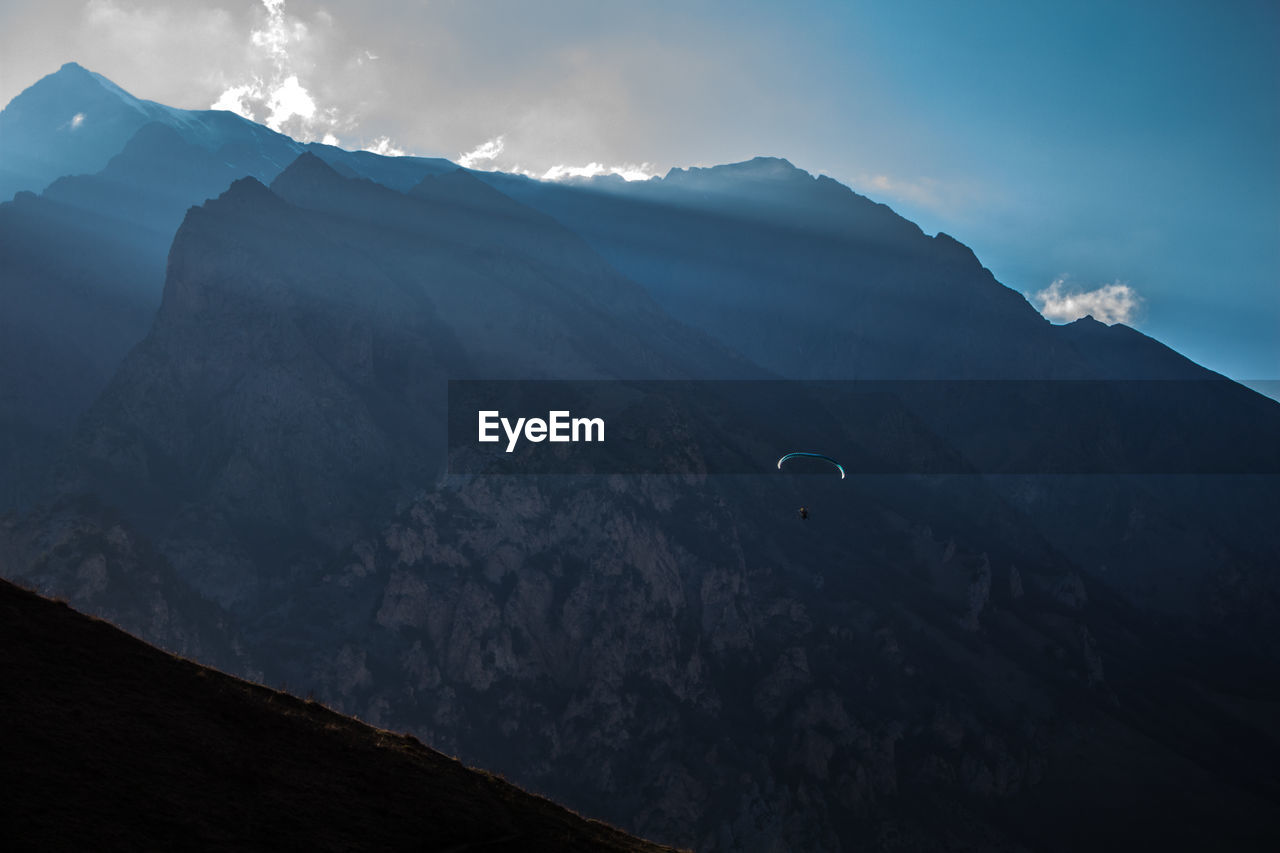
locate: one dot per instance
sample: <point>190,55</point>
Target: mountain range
<point>223,397</point>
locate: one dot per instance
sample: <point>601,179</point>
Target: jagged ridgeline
<point>223,399</point>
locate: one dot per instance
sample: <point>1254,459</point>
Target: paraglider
<point>804,510</point>
<point>823,456</point>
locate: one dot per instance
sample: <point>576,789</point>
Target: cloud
<point>628,172</point>
<point>490,153</point>
<point>382,145</point>
<point>290,99</point>
<point>236,99</point>
<point>1111,303</point>
<point>77,120</point>
<point>923,191</point>
<point>270,87</point>
<point>165,53</point>
<point>484,152</point>
<point>952,198</point>
<point>274,95</point>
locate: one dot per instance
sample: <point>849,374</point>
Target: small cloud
<point>954,197</point>
<point>1111,303</point>
<point>77,120</point>
<point>330,139</point>
<point>489,152</point>
<point>382,145</point>
<point>923,191</point>
<point>482,153</point>
<point>288,100</point>
<point>235,98</point>
<point>628,172</point>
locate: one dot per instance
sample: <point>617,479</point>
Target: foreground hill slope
<point>111,744</point>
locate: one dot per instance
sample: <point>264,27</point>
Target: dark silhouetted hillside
<point>109,744</point>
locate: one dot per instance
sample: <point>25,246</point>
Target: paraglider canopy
<point>821,456</point>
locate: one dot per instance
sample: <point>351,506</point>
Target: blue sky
<point>1137,142</point>
<point>1122,148</point>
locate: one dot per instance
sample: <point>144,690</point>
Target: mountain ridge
<point>74,121</point>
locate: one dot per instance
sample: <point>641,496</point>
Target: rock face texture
<point>1001,661</point>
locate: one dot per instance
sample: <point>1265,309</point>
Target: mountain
<point>196,758</point>
<point>806,277</point>
<point>1047,624</point>
<point>814,281</point>
<point>352,305</point>
<point>84,260</point>
<point>277,437</point>
<point>398,173</point>
<point>76,292</point>
<point>74,121</point>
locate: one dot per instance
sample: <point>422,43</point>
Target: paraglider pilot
<point>804,513</point>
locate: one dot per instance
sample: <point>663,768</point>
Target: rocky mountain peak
<point>307,171</point>
<point>755,169</point>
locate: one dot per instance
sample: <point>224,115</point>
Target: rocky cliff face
<point>83,552</point>
<point>636,649</point>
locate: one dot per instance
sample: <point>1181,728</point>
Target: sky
<point>1114,158</point>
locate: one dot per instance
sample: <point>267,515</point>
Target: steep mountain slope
<point>112,745</point>
<point>83,551</point>
<point>76,292</point>
<point>84,262</point>
<point>398,173</point>
<point>806,277</point>
<point>813,281</point>
<point>326,402</point>
<point>827,685</point>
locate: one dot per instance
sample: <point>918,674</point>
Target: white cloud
<point>288,100</point>
<point>922,191</point>
<point>77,120</point>
<point>235,98</point>
<point>628,172</point>
<point>490,152</point>
<point>1111,303</point>
<point>953,198</point>
<point>274,93</point>
<point>383,145</point>
<point>484,152</point>
<point>168,53</point>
